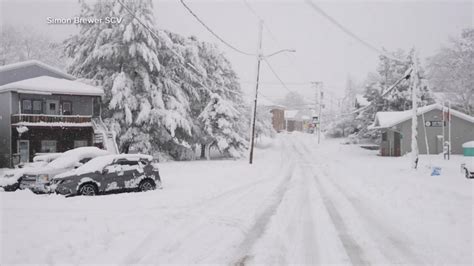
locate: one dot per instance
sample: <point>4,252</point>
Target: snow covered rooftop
<point>37,63</point>
<point>469,144</point>
<point>291,114</point>
<point>390,119</point>
<point>361,100</point>
<point>50,85</point>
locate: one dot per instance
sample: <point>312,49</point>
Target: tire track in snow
<point>353,250</point>
<point>262,220</point>
<point>390,241</point>
<point>181,232</point>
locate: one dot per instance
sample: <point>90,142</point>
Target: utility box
<point>468,149</point>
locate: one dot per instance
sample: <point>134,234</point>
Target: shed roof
<point>50,85</point>
<point>390,119</point>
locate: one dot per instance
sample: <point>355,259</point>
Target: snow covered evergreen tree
<point>153,80</point>
<point>399,99</point>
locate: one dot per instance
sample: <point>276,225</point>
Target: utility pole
<point>254,111</point>
<point>320,97</point>
<point>414,119</point>
<point>318,107</point>
<point>449,129</point>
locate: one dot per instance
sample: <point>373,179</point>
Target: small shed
<point>396,130</point>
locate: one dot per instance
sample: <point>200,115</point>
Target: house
<point>277,111</point>
<point>43,110</point>
<point>360,101</point>
<point>293,121</point>
<point>396,130</point>
<point>298,120</point>
<point>278,118</point>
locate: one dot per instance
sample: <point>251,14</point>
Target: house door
<point>24,150</point>
<point>52,107</point>
<point>396,144</point>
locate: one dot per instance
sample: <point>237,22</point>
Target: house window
<point>67,108</point>
<point>80,143</point>
<point>48,146</point>
<point>384,136</point>
<point>26,107</point>
<point>37,107</point>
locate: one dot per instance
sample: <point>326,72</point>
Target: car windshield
<point>70,158</point>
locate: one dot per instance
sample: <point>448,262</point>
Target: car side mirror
<point>105,171</point>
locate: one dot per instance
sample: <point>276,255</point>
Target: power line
<point>213,33</point>
<point>350,33</point>
<point>185,64</point>
<point>276,75</point>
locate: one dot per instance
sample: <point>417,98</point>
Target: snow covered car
<point>112,173</point>
<point>10,179</point>
<point>38,179</point>
<point>467,167</point>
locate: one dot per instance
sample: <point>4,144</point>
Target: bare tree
<point>451,71</point>
<point>25,43</point>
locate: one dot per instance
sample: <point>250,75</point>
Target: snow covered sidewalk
<point>300,203</point>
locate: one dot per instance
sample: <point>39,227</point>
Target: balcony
<point>51,120</point>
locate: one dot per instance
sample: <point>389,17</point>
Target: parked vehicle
<point>112,173</point>
<point>468,169</point>
<point>10,179</point>
<point>468,166</point>
<point>38,179</point>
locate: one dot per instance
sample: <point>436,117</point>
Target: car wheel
<point>146,185</point>
<point>88,190</point>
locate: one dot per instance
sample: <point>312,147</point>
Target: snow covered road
<point>300,203</point>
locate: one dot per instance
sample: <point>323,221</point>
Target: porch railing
<point>40,118</point>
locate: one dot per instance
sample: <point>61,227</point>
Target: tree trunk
<point>208,156</point>
<point>203,151</point>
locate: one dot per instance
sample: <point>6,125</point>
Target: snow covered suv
<point>38,179</point>
<point>124,172</point>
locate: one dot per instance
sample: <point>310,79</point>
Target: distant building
<point>278,118</point>
<point>298,120</point>
<point>396,130</point>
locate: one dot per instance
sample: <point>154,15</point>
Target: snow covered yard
<point>299,203</point>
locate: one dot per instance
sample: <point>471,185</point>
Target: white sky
<point>324,53</point>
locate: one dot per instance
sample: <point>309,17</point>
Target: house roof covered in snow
<point>50,85</point>
<point>291,114</point>
<point>390,119</point>
<point>35,63</point>
<point>361,100</point>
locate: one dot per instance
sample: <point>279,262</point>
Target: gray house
<point>396,130</point>
<point>43,109</point>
